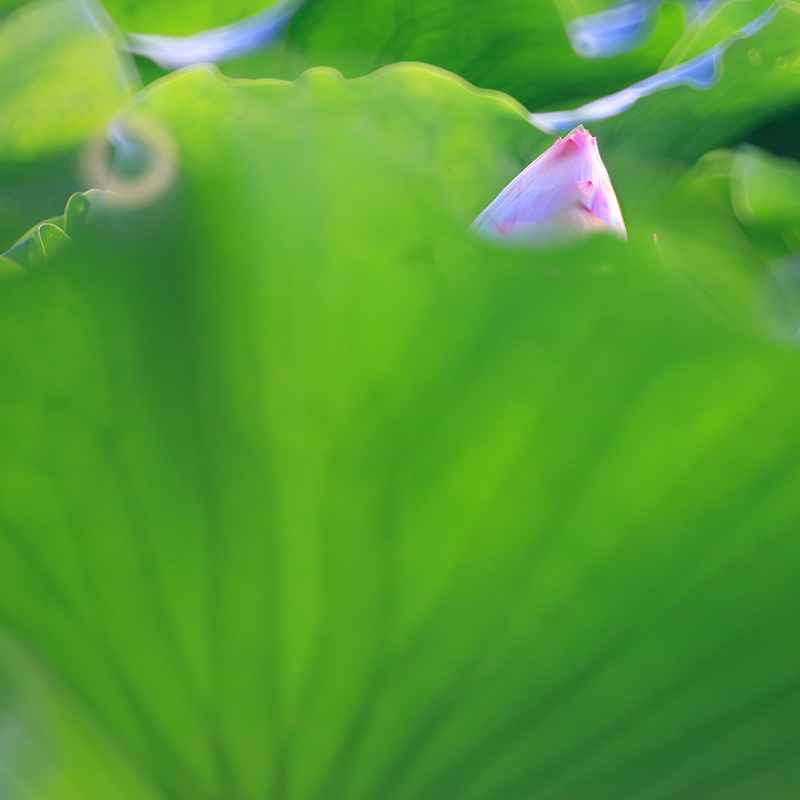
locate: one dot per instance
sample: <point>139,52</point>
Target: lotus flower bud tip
<point>565,193</point>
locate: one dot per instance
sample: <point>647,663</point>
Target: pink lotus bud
<point>564,194</point>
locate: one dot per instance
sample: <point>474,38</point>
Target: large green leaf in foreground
<point>308,494</point>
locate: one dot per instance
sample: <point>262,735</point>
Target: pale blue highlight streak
<point>623,27</point>
<point>701,72</point>
<point>217,44</point>
<point>614,31</point>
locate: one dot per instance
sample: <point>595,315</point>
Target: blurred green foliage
<point>759,80</point>
<point>62,78</point>
<point>62,75</point>
<point>180,17</point>
<point>307,493</point>
<point>515,46</point>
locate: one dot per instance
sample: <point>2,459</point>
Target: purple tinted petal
<point>563,163</point>
<point>519,211</point>
<point>606,206</point>
<point>578,220</point>
<point>567,161</point>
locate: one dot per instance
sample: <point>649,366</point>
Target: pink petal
<point>554,195</point>
<point>522,209</point>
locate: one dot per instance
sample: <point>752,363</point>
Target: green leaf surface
<point>766,191</point>
<point>180,17</point>
<point>33,252</point>
<point>9,268</point>
<point>8,5</point>
<point>710,27</point>
<point>307,493</point>
<point>49,745</point>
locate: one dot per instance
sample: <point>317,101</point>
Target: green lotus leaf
<point>181,17</point>
<point>9,268</point>
<point>308,493</point>
<point>766,192</point>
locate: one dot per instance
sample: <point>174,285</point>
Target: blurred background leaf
<point>40,245</point>
<point>735,219</point>
<point>756,81</point>
<point>180,17</point>
<point>62,76</point>
<point>710,27</point>
<point>766,193</point>
<point>513,46</point>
